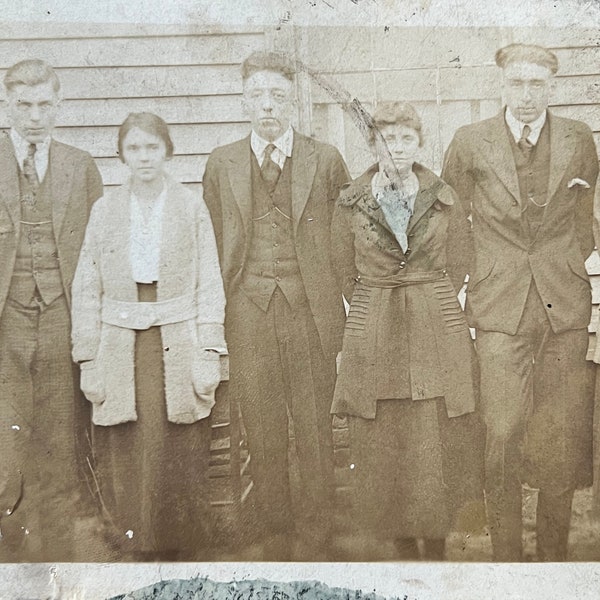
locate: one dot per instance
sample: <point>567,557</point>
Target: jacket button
<point>515,203</point>
<point>402,264</point>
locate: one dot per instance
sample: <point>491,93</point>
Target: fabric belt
<point>402,279</point>
<point>143,315</point>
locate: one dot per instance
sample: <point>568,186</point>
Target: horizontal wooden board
<point>65,30</point>
<point>194,187</point>
<point>137,51</point>
<point>588,113</point>
<point>183,109</point>
<point>186,169</point>
<point>554,37</point>
<point>413,85</point>
<point>578,61</point>
<point>584,89</point>
<point>340,49</point>
<point>137,82</point>
<point>187,139</point>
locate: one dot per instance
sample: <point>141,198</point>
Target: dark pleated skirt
<point>415,472</point>
<point>153,473</point>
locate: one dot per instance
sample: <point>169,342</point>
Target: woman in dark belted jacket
<point>407,371</point>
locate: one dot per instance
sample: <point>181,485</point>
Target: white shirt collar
<point>283,147</point>
<point>42,149</point>
<point>516,126</point>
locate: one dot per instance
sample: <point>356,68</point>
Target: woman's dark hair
<point>148,122</point>
<point>397,113</point>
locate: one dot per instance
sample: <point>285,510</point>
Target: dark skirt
<point>415,472</point>
<point>153,473</point>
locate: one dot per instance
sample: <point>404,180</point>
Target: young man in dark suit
<point>527,178</point>
<point>271,196</point>
<point>46,192</point>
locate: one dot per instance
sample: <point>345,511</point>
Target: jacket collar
<point>431,188</point>
<point>496,149</point>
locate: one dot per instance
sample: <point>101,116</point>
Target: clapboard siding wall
<point>189,76</point>
<point>450,76</point>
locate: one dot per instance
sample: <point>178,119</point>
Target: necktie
<point>524,144</point>
<point>270,170</point>
<point>30,171</point>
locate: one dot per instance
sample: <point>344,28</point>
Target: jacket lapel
<point>240,179</point>
<point>9,180</point>
<point>304,167</point>
<point>562,148</point>
<point>498,152</point>
<point>426,196</point>
<point>61,171</point>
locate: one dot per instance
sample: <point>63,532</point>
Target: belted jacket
<point>406,336</point>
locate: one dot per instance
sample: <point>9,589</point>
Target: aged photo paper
<point>181,60</point>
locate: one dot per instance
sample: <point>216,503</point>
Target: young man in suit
<point>46,192</point>
<point>271,196</point>
<point>527,178</point>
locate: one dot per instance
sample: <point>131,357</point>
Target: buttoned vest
<point>37,271</point>
<point>271,260</point>
<point>533,172</point>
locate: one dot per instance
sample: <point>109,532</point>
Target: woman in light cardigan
<point>147,311</point>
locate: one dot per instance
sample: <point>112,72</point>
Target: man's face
<point>32,110</point>
<point>526,90</point>
<point>269,103</point>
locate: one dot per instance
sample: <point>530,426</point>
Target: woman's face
<point>402,143</point>
<point>145,154</point>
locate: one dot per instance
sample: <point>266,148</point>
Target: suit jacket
<point>406,335</point>
<point>318,172</point>
<point>76,184</point>
<point>480,166</point>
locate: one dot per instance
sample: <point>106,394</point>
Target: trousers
<point>536,410</point>
<point>282,382</point>
<point>38,469</point>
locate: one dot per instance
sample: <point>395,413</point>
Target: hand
<point>92,382</point>
<point>206,372</point>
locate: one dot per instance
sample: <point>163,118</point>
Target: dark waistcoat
<point>36,265</point>
<point>271,260</point>
<point>533,171</point>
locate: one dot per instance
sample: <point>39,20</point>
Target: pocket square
<point>576,181</point>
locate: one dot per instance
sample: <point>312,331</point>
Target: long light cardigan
<point>190,305</point>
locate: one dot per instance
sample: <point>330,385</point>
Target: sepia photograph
<point>298,283</point>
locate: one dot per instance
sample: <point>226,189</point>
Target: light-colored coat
<point>106,312</point>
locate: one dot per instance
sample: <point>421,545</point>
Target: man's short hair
<point>527,53</point>
<point>268,61</point>
<point>397,113</point>
<point>30,72</point>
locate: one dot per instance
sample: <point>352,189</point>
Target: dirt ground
<point>584,541</point>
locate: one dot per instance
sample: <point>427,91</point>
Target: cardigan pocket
<point>92,382</point>
<point>206,373</point>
